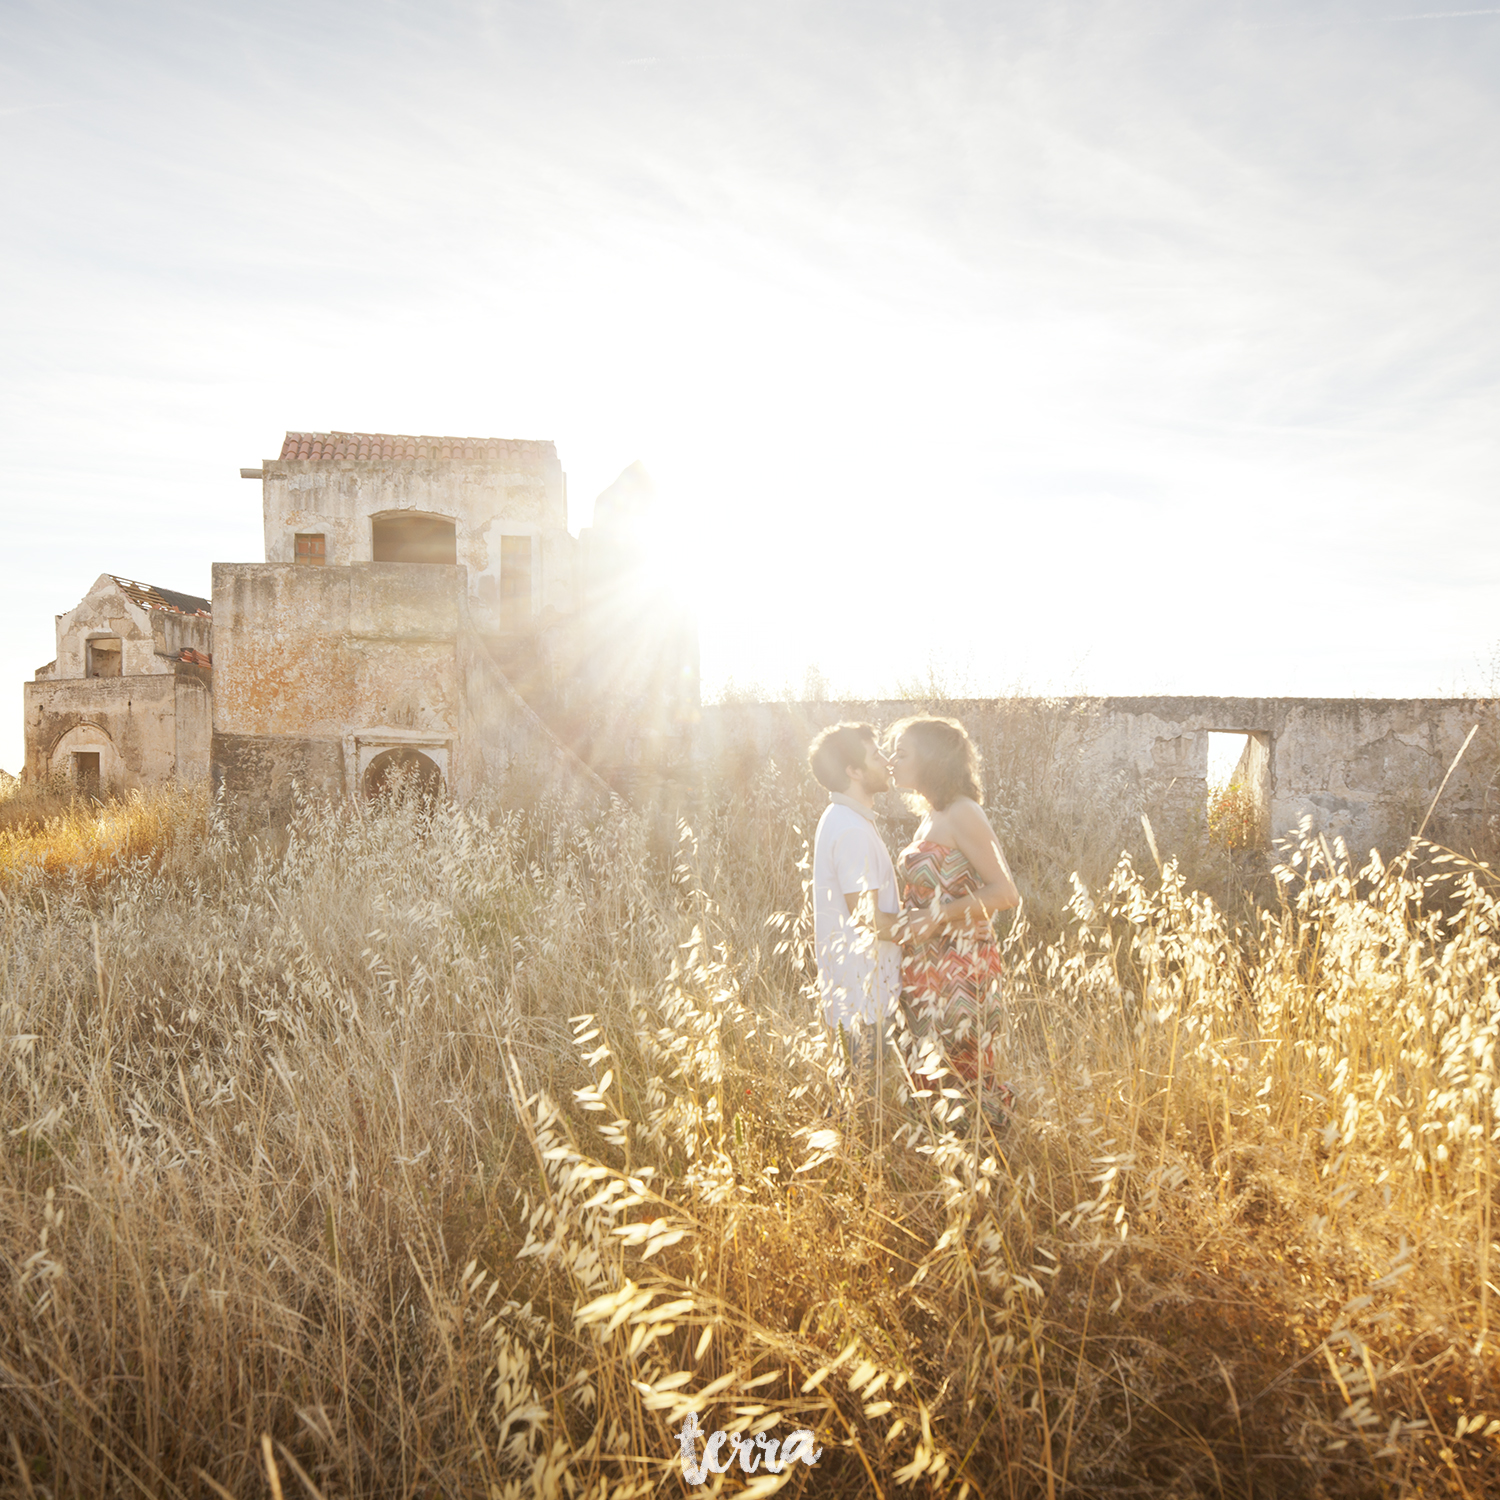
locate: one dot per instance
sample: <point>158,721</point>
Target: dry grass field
<point>467,1152</point>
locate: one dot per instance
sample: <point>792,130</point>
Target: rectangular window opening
<point>515,581</point>
<point>310,548</point>
<point>1239,789</point>
<point>104,657</point>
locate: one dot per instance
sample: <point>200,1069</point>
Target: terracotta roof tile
<point>197,658</point>
<point>150,597</point>
<point>371,446</point>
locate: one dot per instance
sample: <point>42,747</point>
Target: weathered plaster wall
<point>515,749</point>
<point>1363,770</point>
<point>149,638</point>
<point>314,651</point>
<point>147,729</point>
<point>319,669</point>
<point>523,495</point>
<point>282,664</point>
<point>173,633</point>
<point>195,723</point>
<point>149,724</point>
<point>316,657</point>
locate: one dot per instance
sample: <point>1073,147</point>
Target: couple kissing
<point>915,935</point>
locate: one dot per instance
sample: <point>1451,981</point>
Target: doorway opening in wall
<point>394,771</point>
<point>1239,789</point>
<point>105,655</point>
<point>86,772</point>
<point>414,539</point>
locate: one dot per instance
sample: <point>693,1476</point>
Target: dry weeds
<point>464,1153</point>
<point>54,830</point>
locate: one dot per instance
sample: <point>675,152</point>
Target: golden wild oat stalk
<point>455,1152</point>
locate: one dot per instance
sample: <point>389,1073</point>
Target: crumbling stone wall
<point>146,729</point>
<point>312,660</point>
<point>1360,769</point>
<point>320,670</point>
<point>149,720</point>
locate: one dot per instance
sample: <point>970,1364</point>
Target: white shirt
<point>858,975</point>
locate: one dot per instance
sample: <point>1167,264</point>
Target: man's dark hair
<point>838,748</point>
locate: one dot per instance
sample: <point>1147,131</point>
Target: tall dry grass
<point>464,1153</point>
<point>52,829</point>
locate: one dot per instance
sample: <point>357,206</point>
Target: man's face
<point>875,772</point>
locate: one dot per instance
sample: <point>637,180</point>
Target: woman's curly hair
<point>947,762</point>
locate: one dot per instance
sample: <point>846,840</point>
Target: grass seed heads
<point>475,1152</point>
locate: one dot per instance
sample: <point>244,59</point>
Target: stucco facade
<point>506,500</point>
<point>401,574</point>
<point>127,702</point>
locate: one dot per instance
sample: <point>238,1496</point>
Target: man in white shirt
<point>855,899</point>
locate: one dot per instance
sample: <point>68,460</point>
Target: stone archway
<point>86,756</point>
<point>400,767</point>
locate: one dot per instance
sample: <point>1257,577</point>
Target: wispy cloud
<point>1068,299</point>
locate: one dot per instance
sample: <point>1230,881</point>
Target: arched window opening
<point>104,657</point>
<point>392,771</point>
<point>414,539</point>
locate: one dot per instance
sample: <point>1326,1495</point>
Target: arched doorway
<point>86,757</point>
<point>400,768</point>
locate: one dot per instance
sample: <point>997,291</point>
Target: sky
<point>1123,348</point>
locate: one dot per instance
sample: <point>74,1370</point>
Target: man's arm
<point>865,904</point>
<point>859,874</point>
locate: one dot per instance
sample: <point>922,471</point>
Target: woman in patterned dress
<point>954,881</point>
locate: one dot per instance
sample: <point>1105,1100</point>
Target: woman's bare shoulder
<point>966,812</point>
<point>967,823</point>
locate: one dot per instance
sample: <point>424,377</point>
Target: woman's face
<point>905,769</point>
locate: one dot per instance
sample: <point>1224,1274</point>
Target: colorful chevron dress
<point>948,983</point>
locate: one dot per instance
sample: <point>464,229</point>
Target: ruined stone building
<point>423,607</point>
<point>127,701</point>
